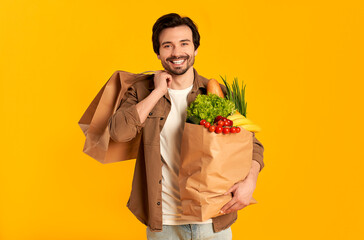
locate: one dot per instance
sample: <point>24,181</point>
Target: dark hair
<point>173,20</point>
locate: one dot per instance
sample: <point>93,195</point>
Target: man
<point>156,108</point>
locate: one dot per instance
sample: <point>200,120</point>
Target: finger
<point>235,207</point>
<point>232,189</point>
<point>239,204</point>
<point>168,76</point>
<point>228,205</point>
<point>169,82</point>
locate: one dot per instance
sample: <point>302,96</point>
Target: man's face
<point>177,52</point>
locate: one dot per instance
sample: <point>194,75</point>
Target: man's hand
<point>242,191</point>
<point>162,81</point>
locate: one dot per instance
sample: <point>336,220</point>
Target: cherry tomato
<point>238,129</point>
<point>220,123</point>
<point>226,130</point>
<point>202,122</point>
<point>224,119</point>
<point>226,123</point>
<point>207,125</point>
<point>233,130</point>
<point>212,128</point>
<point>217,119</point>
<point>218,129</point>
<point>230,122</point>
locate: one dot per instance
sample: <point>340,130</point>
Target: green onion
<point>237,96</point>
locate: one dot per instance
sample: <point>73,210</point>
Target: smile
<point>178,62</point>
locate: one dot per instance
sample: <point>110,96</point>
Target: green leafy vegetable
<point>236,96</point>
<point>210,106</point>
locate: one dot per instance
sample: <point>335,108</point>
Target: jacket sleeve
<point>124,124</point>
<point>258,150</point>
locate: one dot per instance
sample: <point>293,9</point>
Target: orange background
<point>302,62</point>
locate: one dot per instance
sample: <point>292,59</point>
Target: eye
<point>184,44</point>
<point>166,46</point>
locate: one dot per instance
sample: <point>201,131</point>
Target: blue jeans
<point>188,232</point>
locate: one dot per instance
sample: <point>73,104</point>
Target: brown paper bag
<point>210,164</point>
<point>94,122</point>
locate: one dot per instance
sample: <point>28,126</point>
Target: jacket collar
<point>198,82</point>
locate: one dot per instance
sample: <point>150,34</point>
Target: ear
<point>159,57</point>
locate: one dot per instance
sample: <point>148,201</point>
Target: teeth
<point>178,62</point>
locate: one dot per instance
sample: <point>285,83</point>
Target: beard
<point>189,61</point>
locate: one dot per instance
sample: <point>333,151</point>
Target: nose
<point>177,52</point>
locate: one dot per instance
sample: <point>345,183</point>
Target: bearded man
<point>157,107</point>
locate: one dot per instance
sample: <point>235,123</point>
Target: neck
<point>183,81</point>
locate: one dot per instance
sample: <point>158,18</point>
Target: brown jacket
<point>145,201</point>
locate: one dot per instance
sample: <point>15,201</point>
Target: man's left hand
<point>242,191</point>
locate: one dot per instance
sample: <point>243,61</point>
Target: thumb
<point>169,82</point>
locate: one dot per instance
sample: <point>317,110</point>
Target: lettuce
<point>210,106</point>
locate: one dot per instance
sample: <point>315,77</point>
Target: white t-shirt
<point>171,138</point>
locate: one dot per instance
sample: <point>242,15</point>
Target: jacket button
<point>150,114</point>
<point>158,203</point>
<point>160,181</point>
<point>161,118</point>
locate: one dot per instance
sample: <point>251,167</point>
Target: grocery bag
<point>94,122</point>
<point>210,164</point>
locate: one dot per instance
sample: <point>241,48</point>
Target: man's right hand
<point>162,81</point>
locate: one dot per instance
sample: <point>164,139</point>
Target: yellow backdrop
<point>302,62</point>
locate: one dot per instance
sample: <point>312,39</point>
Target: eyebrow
<point>183,40</point>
